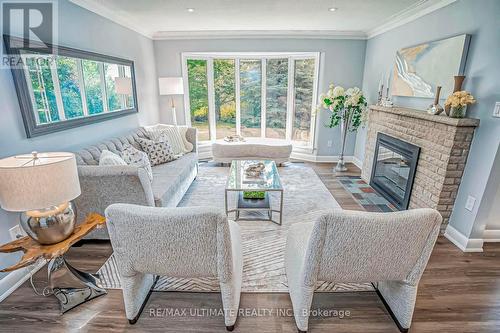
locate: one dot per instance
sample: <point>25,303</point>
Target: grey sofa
<point>105,185</point>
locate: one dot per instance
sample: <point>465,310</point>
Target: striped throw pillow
<point>173,136</point>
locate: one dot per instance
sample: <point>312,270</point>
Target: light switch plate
<point>469,205</point>
<point>496,111</point>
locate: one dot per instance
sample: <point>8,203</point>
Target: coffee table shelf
<point>238,182</point>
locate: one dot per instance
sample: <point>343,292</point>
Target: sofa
<point>102,186</point>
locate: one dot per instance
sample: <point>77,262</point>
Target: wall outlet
<point>16,232</point>
<point>496,111</point>
<point>469,205</point>
<point>329,143</point>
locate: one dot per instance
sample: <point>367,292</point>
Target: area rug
<point>263,242</point>
<point>366,195</point>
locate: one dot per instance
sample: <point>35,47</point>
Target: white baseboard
<point>357,162</point>
<point>462,242</point>
<point>15,279</point>
<point>491,236</point>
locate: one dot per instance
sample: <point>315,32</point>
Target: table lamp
<point>41,186</point>
<point>171,86</point>
<point>123,86</point>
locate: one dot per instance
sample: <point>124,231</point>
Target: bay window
<point>256,95</point>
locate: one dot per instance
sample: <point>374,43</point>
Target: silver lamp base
<point>50,225</point>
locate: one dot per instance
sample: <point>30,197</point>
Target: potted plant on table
<point>347,108</point>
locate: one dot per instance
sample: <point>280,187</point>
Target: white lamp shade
<point>123,85</point>
<point>28,184</point>
<point>171,86</point>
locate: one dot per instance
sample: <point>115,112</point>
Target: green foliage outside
<point>92,79</point>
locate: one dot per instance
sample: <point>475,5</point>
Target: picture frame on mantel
<point>60,87</point>
<point>420,69</point>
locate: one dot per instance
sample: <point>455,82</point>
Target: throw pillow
<point>110,158</point>
<point>173,136</point>
<point>135,157</point>
<point>188,146</point>
<point>159,151</point>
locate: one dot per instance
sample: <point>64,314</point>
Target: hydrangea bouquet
<point>347,110</point>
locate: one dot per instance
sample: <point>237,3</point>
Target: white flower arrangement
<point>349,103</point>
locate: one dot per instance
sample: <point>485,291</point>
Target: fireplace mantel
<point>421,114</point>
<point>444,144</point>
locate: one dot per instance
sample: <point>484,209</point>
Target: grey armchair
<point>390,250</point>
<point>175,242</point>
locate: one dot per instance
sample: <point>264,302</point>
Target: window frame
<point>263,57</point>
<point>14,46</point>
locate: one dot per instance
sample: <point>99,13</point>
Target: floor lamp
<point>170,86</point>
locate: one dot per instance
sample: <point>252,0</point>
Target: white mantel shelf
<point>421,114</point>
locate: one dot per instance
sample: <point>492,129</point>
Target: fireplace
<point>393,169</point>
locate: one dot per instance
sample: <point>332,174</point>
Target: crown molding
<point>410,14</point>
<point>248,34</point>
<point>119,18</point>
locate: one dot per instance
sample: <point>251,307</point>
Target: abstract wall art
<point>420,69</point>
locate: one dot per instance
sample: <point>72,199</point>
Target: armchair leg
<point>230,328</point>
<point>136,318</point>
<point>393,316</point>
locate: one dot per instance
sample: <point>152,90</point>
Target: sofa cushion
<point>168,177</point>
<point>135,157</point>
<point>110,158</point>
<point>159,151</point>
<point>91,154</point>
<point>171,133</point>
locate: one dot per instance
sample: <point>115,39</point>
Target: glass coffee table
<point>239,182</point>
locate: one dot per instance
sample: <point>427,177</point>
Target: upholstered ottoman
<point>252,149</point>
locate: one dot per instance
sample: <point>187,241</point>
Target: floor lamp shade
<point>171,86</point>
<point>38,181</point>
<point>123,85</point>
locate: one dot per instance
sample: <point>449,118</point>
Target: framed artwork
<point>420,69</point>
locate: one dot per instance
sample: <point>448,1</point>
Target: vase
<point>435,108</point>
<point>458,112</point>
<point>459,80</point>
<point>345,121</point>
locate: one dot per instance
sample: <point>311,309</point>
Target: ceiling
<point>171,18</point>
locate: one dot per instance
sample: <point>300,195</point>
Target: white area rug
<point>263,242</point>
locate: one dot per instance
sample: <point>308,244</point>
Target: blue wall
<point>85,30</point>
<point>481,20</point>
<point>342,62</point>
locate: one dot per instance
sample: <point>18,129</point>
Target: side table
<point>70,286</point>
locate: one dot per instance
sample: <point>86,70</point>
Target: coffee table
<point>239,182</point>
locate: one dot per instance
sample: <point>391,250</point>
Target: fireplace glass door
<point>393,171</point>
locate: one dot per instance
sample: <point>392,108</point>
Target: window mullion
<point>104,93</point>
<point>290,103</point>
<point>211,99</point>
<point>237,93</point>
<point>187,102</point>
<point>81,82</point>
<point>57,88</point>
<point>263,105</point>
<point>312,132</point>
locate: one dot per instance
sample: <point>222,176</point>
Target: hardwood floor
<point>459,292</point>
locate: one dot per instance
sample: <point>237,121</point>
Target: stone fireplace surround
<point>444,144</point>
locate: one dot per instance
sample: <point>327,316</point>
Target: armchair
<point>390,250</point>
<point>175,242</point>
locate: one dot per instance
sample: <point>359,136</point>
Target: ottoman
<point>252,149</point>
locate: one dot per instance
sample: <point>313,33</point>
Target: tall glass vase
<point>345,121</point>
